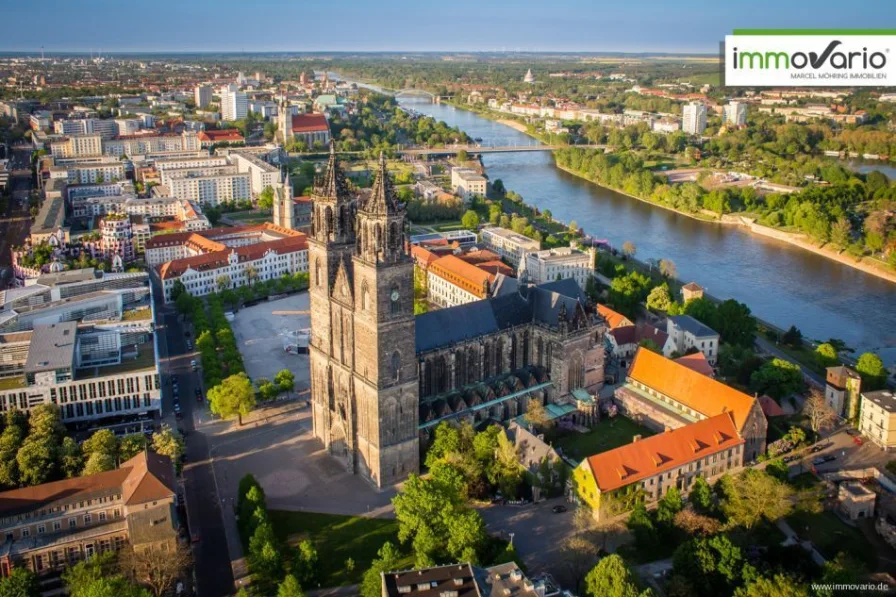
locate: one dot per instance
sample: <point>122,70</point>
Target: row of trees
<point>35,449</point>
<point>275,571</point>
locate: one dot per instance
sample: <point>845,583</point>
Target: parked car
<point>853,432</point>
<point>177,407</point>
<point>558,509</point>
<point>189,345</point>
<point>791,458</point>
<point>819,447</point>
<point>193,365</point>
<point>818,461</point>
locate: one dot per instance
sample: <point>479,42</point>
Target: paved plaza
<point>260,332</point>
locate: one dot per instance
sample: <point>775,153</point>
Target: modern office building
<point>467,182</point>
<point>510,245</point>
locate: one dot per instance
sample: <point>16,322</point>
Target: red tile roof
<point>217,259</point>
<point>698,363</point>
<point>662,452</point>
<point>462,274</point>
<point>694,390</point>
<point>309,123</point>
<point>218,136</point>
<point>614,319</point>
<point>770,408</point>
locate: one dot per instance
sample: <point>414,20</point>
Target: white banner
<point>830,60</point>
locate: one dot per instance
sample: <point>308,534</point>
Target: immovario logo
<point>810,58</point>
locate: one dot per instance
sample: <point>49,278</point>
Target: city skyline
<point>405,26</point>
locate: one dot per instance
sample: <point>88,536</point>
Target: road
<point>214,574</point>
<point>773,350</point>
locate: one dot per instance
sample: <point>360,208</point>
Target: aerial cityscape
<point>593,301</point>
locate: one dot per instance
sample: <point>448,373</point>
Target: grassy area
<point>606,435</point>
<point>136,315</point>
<point>830,535</point>
<point>249,217</point>
<point>805,480</point>
<point>779,426</point>
<point>338,538</point>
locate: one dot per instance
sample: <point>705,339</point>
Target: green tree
<point>736,324</point>
<point>177,289</point>
<point>98,462</point>
<point>20,583</point>
<point>841,233</point>
<point>264,558</point>
<point>826,355</point>
<point>290,587</point>
<point>703,310</point>
<point>641,525</point>
<point>98,577</point>
<point>777,378</point>
<point>170,443</point>
<point>103,442</point>
<point>871,369</point>
<point>669,505</point>
<point>371,583</point>
<point>266,198</point>
<point>305,564</point>
<point>462,156</point>
<point>755,495</point>
<point>470,220</point>
<point>713,565</point>
<point>232,397</point>
<point>505,471</point>
<point>131,445</point>
<point>611,578</point>
<point>659,299</point>
<point>10,441</point>
<point>793,337</point>
<point>778,585</point>
<point>446,439</point>
<point>285,380</point>
<point>701,496</point>
<point>70,459</point>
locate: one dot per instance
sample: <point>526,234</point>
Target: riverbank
<point>796,240</point>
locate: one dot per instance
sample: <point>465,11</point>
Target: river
<point>780,283</point>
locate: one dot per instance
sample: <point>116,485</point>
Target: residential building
<point>664,394</point>
<point>211,190</point>
<point>877,418</point>
<point>735,114</point>
<point>202,95</point>
<point>261,174</point>
<point>117,237</point>
<point>125,127</point>
<point>842,391</point>
<point>687,333</point>
<point>456,580</point>
<point>210,137</point>
<point>708,448</point>
<point>91,371</point>
<point>76,146</point>
<point>468,183</point>
<point>40,120</point>
<point>626,340</point>
<point>234,104</point>
<point>559,263</point>
<point>510,245</point>
<point>693,120</point>
<point>452,281</point>
<point>53,526</point>
<point>106,129</point>
<point>93,173</point>
<point>243,254</point>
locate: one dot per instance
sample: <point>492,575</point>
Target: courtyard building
<point>611,482</point>
<point>663,394</point>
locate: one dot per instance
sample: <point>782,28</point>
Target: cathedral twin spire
<point>382,200</point>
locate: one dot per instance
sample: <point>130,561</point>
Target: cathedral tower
<point>364,390</point>
<point>284,210</point>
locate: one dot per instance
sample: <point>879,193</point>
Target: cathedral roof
<point>479,318</point>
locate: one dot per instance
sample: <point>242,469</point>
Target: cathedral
<point>381,378</point>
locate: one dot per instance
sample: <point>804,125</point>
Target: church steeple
<point>334,207</point>
<point>382,223</point>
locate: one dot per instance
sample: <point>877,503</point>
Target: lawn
<point>249,217</point>
<point>338,538</point>
<point>606,435</point>
<point>830,535</point>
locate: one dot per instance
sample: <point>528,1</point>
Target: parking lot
<point>260,332</point>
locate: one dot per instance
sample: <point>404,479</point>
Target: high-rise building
<point>234,104</point>
<point>735,114</point>
<point>202,95</point>
<point>694,118</point>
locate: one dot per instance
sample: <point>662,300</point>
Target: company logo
<point>809,58</point>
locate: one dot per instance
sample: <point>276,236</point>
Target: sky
<point>422,25</point>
